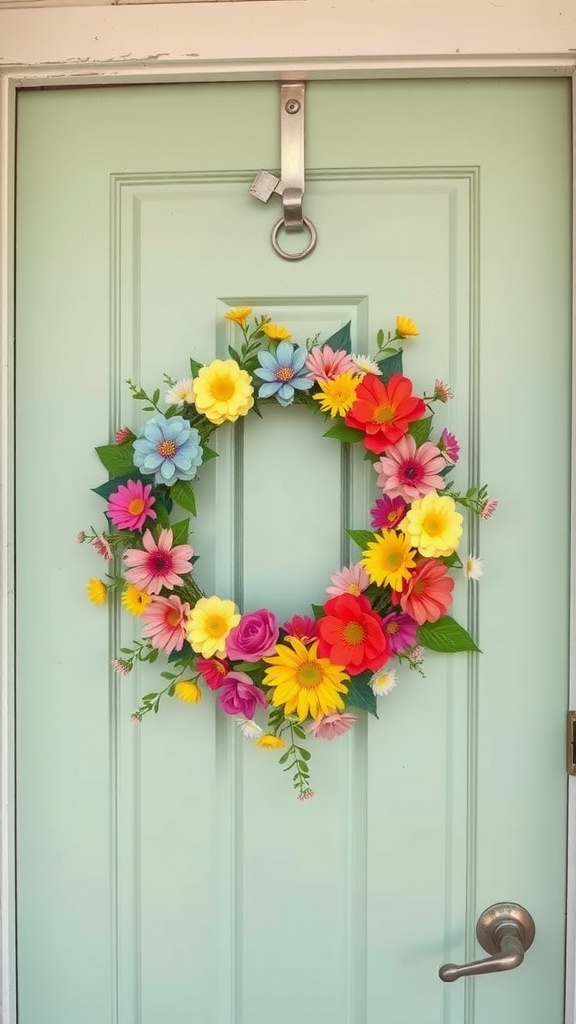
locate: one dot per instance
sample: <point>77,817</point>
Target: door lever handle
<point>506,931</point>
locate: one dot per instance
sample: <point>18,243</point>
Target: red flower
<point>351,634</point>
<point>213,671</point>
<point>427,595</point>
<point>384,411</point>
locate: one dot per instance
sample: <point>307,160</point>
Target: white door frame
<point>233,41</point>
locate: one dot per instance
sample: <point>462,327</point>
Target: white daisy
<point>180,392</point>
<point>366,365</point>
<point>249,729</point>
<point>473,568</point>
<point>383,682</point>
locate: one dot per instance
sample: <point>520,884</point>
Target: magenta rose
<point>239,695</point>
<point>255,637</point>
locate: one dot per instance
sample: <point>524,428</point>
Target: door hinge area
<point>571,743</point>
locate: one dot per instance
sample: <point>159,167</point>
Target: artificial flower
<point>97,591</point>
<point>270,742</point>
<point>442,393</point>
<point>213,671</point>
<point>408,471</point>
<point>181,392</point>
<point>283,373</point>
<point>389,558</point>
<point>238,316</point>
<point>305,683</point>
<point>401,632</point>
<point>169,449</point>
<point>121,666</point>
<point>352,579</point>
<point>364,365</point>
<point>159,564</point>
<point>304,627</point>
<point>488,508</point>
<point>249,729</point>
<point>240,696</point>
<point>325,363</point>
<point>123,435</point>
<point>433,525</point>
<point>416,655</point>
<point>223,391</point>
<point>382,683</point>
<point>131,505</point>
<point>188,691</point>
<point>383,412</point>
<point>165,622</point>
<point>449,446</point>
<point>337,396</point>
<point>102,546</point>
<point>275,332</point>
<point>351,634</point>
<point>254,637</point>
<point>209,624</point>
<point>405,327</point>
<point>134,600</point>
<point>427,595</point>
<point>332,725</point>
<point>305,794</point>
<point>81,537</point>
<point>387,512</point>
<point>136,718</point>
<point>473,568</point>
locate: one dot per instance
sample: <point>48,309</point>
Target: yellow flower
<point>97,591</point>
<point>388,559</point>
<point>433,525</point>
<point>270,742</point>
<point>238,316</point>
<point>305,683</point>
<point>188,691</point>
<point>276,333</point>
<point>135,601</point>
<point>338,395</point>
<point>405,327</point>
<point>209,623</point>
<point>222,391</point>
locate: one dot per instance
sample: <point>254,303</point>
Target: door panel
<point>166,873</point>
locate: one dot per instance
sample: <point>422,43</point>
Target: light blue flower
<point>283,371</point>
<point>168,448</point>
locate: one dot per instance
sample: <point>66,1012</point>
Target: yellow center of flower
<point>383,414</point>
<point>353,633</point>
<point>222,389</point>
<point>419,587</point>
<point>284,373</point>
<point>392,628</point>
<point>393,558</point>
<point>173,618</point>
<point>353,588</point>
<point>136,506</point>
<point>216,626</point>
<point>432,524</point>
<point>167,448</point>
<point>309,675</point>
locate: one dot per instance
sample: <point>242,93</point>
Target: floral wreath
<point>308,675</point>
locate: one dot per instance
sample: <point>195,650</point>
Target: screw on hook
<point>292,107</point>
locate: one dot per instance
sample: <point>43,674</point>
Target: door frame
<point>112,45</point>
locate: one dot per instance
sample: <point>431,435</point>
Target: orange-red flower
<point>384,411</point>
<point>351,634</point>
<point>427,595</point>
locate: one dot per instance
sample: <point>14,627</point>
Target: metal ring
<point>294,255</point>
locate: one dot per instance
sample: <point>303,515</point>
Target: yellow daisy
<point>305,683</point>
<point>238,316</point>
<point>339,394</point>
<point>135,601</point>
<point>405,327</point>
<point>433,525</point>
<point>209,624</point>
<point>188,691</point>
<point>388,559</point>
<point>222,391</point>
<point>276,333</point>
<point>97,591</point>
<point>270,742</point>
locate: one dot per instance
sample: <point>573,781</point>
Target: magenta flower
<point>331,726</point>
<point>255,637</point>
<point>352,579</point>
<point>325,363</point>
<point>387,512</point>
<point>488,508</point>
<point>408,472</point>
<point>164,623</point>
<point>239,695</point>
<point>449,446</point>
<point>401,631</point>
<point>159,565</point>
<point>131,505</point>
<point>303,627</point>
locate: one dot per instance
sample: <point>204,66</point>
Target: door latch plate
<point>571,743</point>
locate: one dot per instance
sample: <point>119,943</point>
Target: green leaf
<point>195,367</point>
<point>117,458</point>
<point>341,339</point>
<point>183,495</point>
<point>162,516</point>
<point>234,354</point>
<point>105,490</point>
<point>180,532</point>
<point>361,537</point>
<point>318,611</point>
<point>446,636</point>
<point>343,433</point>
<point>361,696</point>
<point>380,338</point>
<point>390,365</point>
<point>420,430</point>
<point>156,396</point>
<point>207,454</point>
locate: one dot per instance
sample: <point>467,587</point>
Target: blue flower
<point>168,448</point>
<point>283,371</point>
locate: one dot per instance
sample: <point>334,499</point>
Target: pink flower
<point>239,695</point>
<point>449,446</point>
<point>131,505</point>
<point>442,393</point>
<point>408,472</point>
<point>121,667</point>
<point>213,671</point>
<point>387,512</point>
<point>427,595</point>
<point>332,725</point>
<point>306,794</point>
<point>81,537</point>
<point>352,579</point>
<point>255,637</point>
<point>303,627</point>
<point>488,508</point>
<point>164,623</point>
<point>102,547</point>
<point>159,565</point>
<point>323,363</point>
<point>123,435</point>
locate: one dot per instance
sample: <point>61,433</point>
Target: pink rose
<point>239,695</point>
<point>255,637</point>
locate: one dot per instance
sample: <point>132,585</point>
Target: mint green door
<point>166,874</point>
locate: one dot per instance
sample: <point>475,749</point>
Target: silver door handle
<point>506,930</point>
